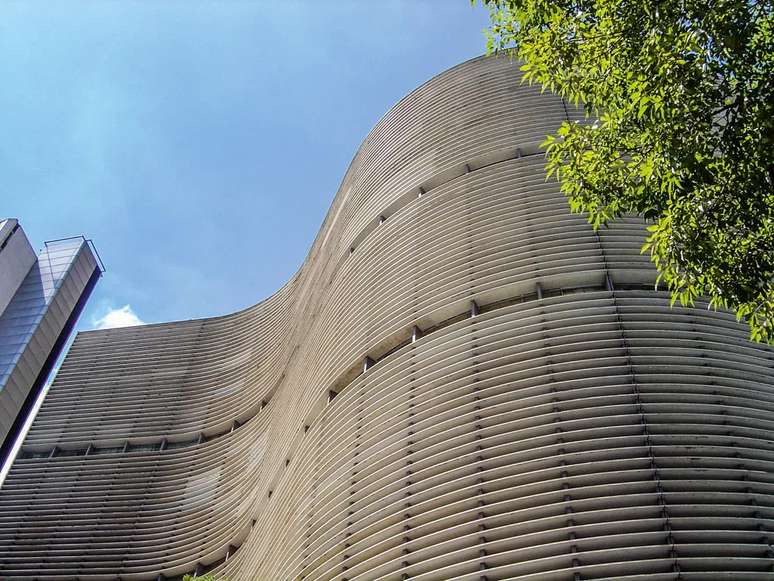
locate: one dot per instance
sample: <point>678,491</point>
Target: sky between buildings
<point>199,144</point>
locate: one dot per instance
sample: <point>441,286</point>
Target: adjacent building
<point>41,297</point>
<point>462,381</point>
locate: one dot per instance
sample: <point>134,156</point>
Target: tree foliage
<point>680,98</point>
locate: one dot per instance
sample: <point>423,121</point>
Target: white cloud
<point>122,317</point>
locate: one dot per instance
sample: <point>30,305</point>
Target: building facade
<point>463,381</point>
<point>41,298</point>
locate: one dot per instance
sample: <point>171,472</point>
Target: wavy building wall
<point>463,381</point>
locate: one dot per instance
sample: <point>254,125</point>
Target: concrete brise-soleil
<point>463,381</point>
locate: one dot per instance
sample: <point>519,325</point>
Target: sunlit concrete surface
<point>463,381</point>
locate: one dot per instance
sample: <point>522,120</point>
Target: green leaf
<point>685,136</point>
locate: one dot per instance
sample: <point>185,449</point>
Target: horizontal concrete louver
<point>463,381</point>
<point>200,488</point>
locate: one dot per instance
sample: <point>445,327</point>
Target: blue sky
<point>199,144</point>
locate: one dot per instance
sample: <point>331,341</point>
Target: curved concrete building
<point>463,381</point>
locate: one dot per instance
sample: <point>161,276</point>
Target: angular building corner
<point>463,381</point>
<point>41,298</point>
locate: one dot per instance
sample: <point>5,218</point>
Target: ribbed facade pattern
<point>463,381</point>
